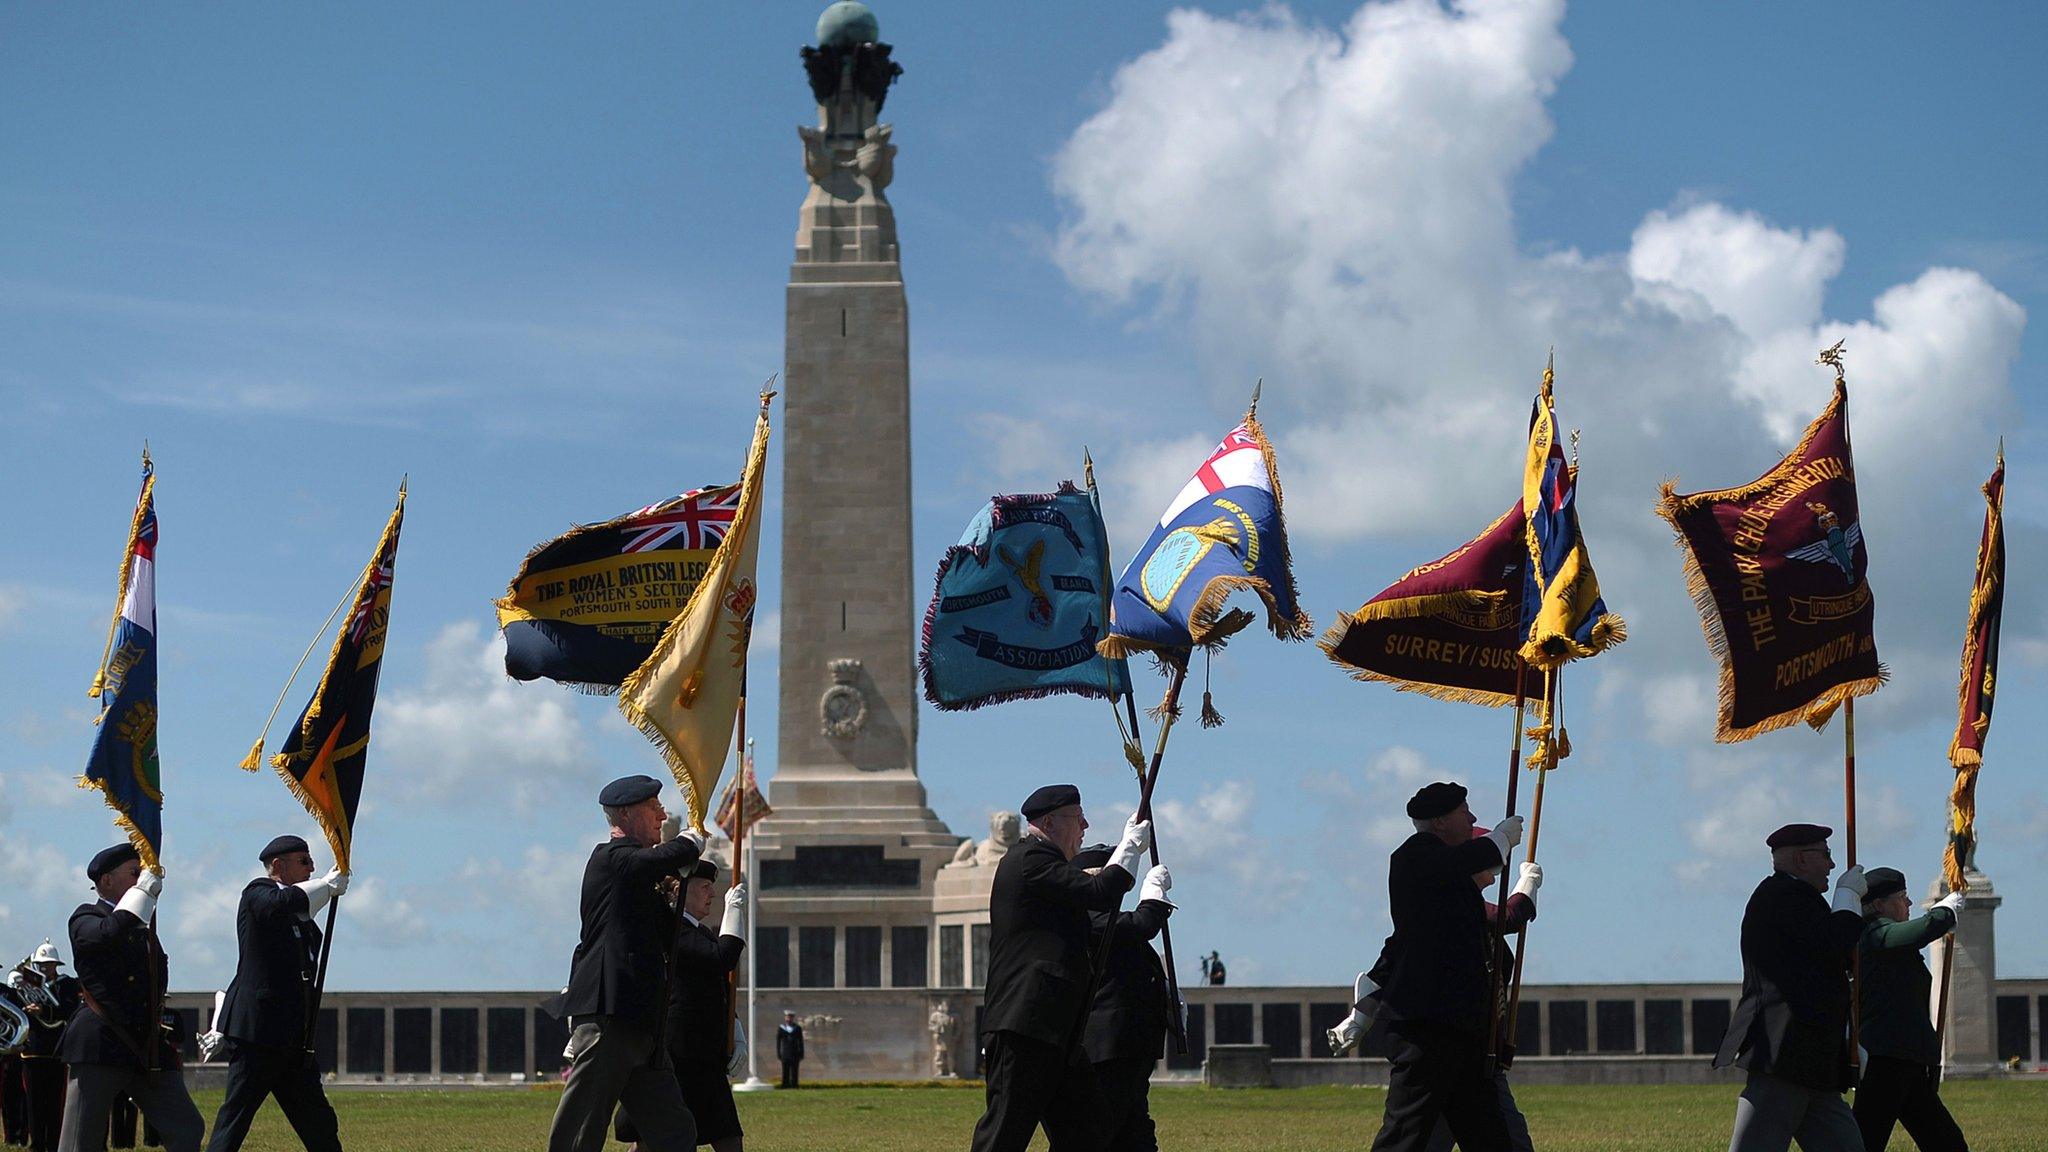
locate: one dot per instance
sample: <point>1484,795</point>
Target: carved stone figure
<point>942,1023</point>
<point>1004,830</point>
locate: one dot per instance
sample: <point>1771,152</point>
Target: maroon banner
<point>1980,642</point>
<point>1777,571</point>
<point>1450,628</point>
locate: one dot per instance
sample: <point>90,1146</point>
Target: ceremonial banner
<point>123,765</point>
<point>1776,569</point>
<point>322,761</point>
<point>587,607</point>
<point>742,806</point>
<point>1451,628</point>
<point>686,695</point>
<point>1020,605</point>
<point>1563,617</point>
<point>1979,679</point>
<point>1222,533</point>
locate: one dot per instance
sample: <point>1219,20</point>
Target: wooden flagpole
<point>1493,1031</point>
<point>1552,718</point>
<point>739,837</point>
<point>1855,957</point>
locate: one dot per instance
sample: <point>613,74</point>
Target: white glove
<point>1506,835</point>
<point>693,836</point>
<point>734,922</point>
<point>319,892</point>
<point>1157,882</point>
<point>1345,1036</point>
<point>738,1063</point>
<point>1953,902</point>
<point>1137,838</point>
<point>209,1044</point>
<point>140,901</point>
<point>1531,879</point>
<point>1849,890</point>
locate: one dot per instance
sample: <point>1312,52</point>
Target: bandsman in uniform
<point>702,1045</point>
<point>13,1091</point>
<point>115,1043</point>
<point>42,1071</point>
<point>617,998</point>
<point>1039,977</point>
<point>789,1048</point>
<point>1436,994</point>
<point>1133,1007</point>
<point>1791,1028</point>
<point>1902,1073</point>
<point>267,1019</point>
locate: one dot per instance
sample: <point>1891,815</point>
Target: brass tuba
<point>14,1027</point>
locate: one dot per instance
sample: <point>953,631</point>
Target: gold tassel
<point>1135,757</point>
<point>1564,743</point>
<point>254,760</point>
<point>1211,718</point>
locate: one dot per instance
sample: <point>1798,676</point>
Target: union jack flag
<point>366,600</point>
<point>1237,461</point>
<point>701,517</point>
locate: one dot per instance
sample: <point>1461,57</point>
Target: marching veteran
<point>1040,975</point>
<point>1902,1077</point>
<point>700,1020</point>
<point>1791,1028</point>
<point>1133,1007</point>
<point>115,1044</point>
<point>266,1019</point>
<point>1437,992</point>
<point>617,998</point>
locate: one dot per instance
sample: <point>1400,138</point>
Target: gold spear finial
<point>1550,372</point>
<point>1836,358</point>
<point>1087,468</point>
<point>768,390</point>
<point>1257,387</point>
<point>2001,451</point>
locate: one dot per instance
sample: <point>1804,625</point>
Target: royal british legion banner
<point>1777,570</point>
<point>588,605</point>
<point>1979,680</point>
<point>1020,604</point>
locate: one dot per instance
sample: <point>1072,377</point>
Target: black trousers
<point>44,1079</point>
<point>13,1101</point>
<point>1896,1091</point>
<point>1126,1093</point>
<point>1032,1083</point>
<point>789,1073</point>
<point>1440,1073</point>
<point>121,1122</point>
<point>256,1074</point>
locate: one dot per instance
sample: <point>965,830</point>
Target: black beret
<point>280,846</point>
<point>1093,856</point>
<point>1883,882</point>
<point>629,790</point>
<point>1439,799</point>
<point>109,859</point>
<point>1049,798</point>
<point>1794,835</point>
<point>702,870</point>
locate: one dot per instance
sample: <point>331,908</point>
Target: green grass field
<point>2002,1117</point>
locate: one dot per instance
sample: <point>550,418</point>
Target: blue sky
<point>534,258</point>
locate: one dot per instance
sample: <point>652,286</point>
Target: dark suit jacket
<point>1132,1005</point>
<point>621,963</point>
<point>1793,1020</point>
<point>1038,940</point>
<point>47,1032</point>
<point>1436,962</point>
<point>789,1042</point>
<point>699,1015</point>
<point>114,954</point>
<point>278,951</point>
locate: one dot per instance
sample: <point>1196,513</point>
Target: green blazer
<point>1896,1013</point>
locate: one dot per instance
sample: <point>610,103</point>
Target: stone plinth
<point>1238,1066</point>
